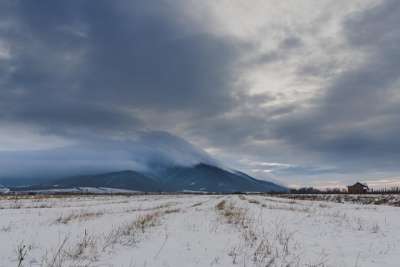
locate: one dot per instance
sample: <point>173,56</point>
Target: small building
<point>357,188</point>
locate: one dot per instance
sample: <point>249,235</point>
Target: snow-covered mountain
<point>199,177</point>
<point>4,189</point>
<point>150,162</point>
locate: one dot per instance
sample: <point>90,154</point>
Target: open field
<point>195,230</point>
<point>375,199</point>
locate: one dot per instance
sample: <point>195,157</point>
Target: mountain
<point>209,178</point>
<point>200,177</point>
<point>124,180</point>
<point>172,164</point>
<point>4,189</point>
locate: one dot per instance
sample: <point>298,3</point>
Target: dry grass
<point>242,197</point>
<point>57,258</point>
<point>6,228</point>
<point>158,207</point>
<point>345,219</point>
<point>32,197</point>
<point>169,211</point>
<point>375,228</point>
<point>254,201</point>
<point>288,207</point>
<point>221,205</point>
<point>128,234</point>
<point>197,204</point>
<point>143,222</point>
<point>19,205</point>
<point>82,216</point>
<point>85,248</point>
<point>273,246</point>
<point>231,213</point>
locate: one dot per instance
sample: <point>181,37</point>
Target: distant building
<point>357,188</point>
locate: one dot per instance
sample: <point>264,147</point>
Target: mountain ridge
<point>201,177</point>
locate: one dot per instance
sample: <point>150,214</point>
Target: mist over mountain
<point>145,151</point>
<point>150,162</point>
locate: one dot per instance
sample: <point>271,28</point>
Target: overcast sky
<point>303,92</point>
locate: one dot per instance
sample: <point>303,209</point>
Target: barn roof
<point>358,183</point>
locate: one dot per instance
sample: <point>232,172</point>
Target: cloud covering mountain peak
<point>146,151</point>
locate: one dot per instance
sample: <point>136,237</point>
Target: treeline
<point>312,190</point>
<point>391,190</point>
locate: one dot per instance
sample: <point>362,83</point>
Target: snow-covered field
<point>195,230</point>
<point>376,199</point>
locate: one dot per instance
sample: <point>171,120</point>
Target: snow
<point>92,190</point>
<point>188,230</point>
<point>4,190</point>
<point>378,199</point>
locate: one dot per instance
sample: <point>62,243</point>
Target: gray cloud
<point>93,71</point>
<point>96,64</point>
<point>357,118</point>
<point>350,129</point>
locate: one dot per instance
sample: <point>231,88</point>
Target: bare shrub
<point>235,252</point>
<point>58,258</point>
<point>112,237</point>
<point>321,262</point>
<point>263,251</point>
<point>249,235</point>
<point>87,243</point>
<point>21,251</point>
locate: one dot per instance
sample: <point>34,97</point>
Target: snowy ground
<point>195,230</point>
<point>376,199</point>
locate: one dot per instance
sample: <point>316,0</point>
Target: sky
<point>301,92</point>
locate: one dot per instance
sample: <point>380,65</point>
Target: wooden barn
<point>357,188</point>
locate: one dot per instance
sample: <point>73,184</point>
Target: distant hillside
<point>200,177</point>
<point>204,177</point>
<point>124,180</point>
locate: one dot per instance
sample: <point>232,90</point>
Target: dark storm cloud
<point>92,64</point>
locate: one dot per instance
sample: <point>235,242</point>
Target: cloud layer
<point>145,151</point>
<point>288,91</point>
